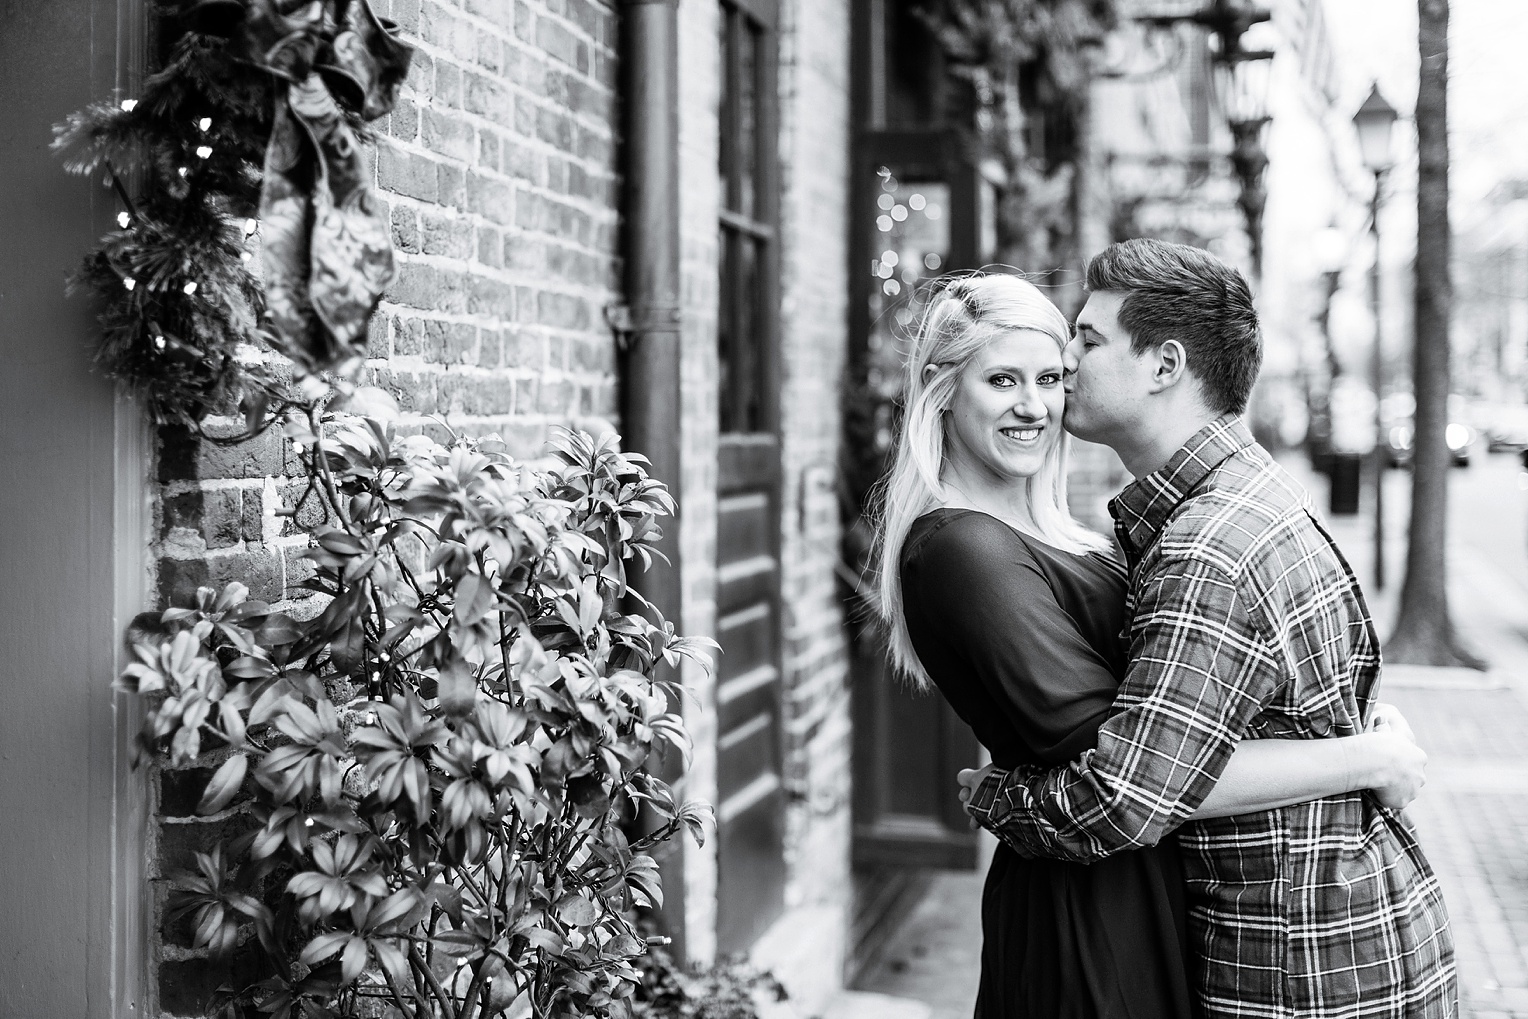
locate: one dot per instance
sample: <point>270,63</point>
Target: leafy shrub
<point>729,989</point>
<point>436,767</point>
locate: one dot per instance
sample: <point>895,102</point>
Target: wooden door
<point>751,801</point>
<point>73,539</point>
<point>916,217</point>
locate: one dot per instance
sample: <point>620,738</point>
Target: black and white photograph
<point>764,509</point>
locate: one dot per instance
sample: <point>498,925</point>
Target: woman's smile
<point>1027,434</point>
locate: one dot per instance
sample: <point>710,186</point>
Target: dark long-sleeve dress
<point>1025,642</point>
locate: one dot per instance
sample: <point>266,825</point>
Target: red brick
<point>450,236</point>
<point>487,296</point>
<point>407,173</point>
<point>486,96</point>
<point>562,311</point>
<point>444,132</point>
<point>405,228</point>
<point>491,198</point>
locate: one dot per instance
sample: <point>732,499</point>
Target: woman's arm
<point>1267,773</point>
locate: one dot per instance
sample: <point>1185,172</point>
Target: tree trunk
<point>1424,633</point>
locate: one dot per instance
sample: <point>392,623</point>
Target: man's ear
<point>1171,366</point>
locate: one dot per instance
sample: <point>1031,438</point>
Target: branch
<point>448,1006</point>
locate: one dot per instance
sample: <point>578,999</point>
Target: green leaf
<point>577,910</point>
<point>224,785</point>
<point>278,630</point>
<point>249,667</point>
<point>457,687</point>
<point>340,542</point>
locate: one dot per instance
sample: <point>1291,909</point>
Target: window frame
<point>758,304</point>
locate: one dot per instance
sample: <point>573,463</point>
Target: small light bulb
<point>159,343</point>
<point>307,822</point>
<point>297,446</point>
<point>123,219</point>
<point>245,256</point>
<point>129,282</point>
<point>250,226</point>
<point>189,288</point>
<point>376,677</point>
<point>183,171</point>
<point>205,123</point>
<point>371,718</point>
<point>203,151</point>
<point>128,104</point>
<point>384,656</point>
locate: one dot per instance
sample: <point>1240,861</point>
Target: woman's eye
<point>1050,379</point>
<point>1004,381</point>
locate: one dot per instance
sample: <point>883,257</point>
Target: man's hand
<point>969,779</point>
<point>1404,765</point>
<point>1388,718</point>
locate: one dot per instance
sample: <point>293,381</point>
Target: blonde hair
<point>961,318</point>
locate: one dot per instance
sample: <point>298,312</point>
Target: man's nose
<point>1069,356</point>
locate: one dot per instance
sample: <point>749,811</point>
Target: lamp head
<point>1375,120</point>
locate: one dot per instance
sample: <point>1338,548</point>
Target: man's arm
<point>1200,672</point>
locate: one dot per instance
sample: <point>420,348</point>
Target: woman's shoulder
<point>950,531</point>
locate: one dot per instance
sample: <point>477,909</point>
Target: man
<point>1246,623</point>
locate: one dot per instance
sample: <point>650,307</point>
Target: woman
<point>994,594</point>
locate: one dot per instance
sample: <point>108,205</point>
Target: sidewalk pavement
<point>1472,817</point>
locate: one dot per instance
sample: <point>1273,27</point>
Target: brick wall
<point>699,200</point>
<point>499,169</point>
<point>806,948</point>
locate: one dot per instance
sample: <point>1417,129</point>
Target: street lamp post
<point>1243,78</point>
<point>1375,121</point>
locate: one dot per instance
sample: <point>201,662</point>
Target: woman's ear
<point>929,370</point>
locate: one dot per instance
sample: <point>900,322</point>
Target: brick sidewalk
<point>1472,817</point>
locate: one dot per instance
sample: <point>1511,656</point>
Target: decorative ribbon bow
<point>327,249</point>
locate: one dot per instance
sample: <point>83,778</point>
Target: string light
<point>371,718</point>
<point>128,105</point>
<point>159,343</point>
<point>205,124</point>
<point>123,219</point>
<point>246,257</point>
<point>250,226</point>
<point>183,171</point>
<point>189,288</point>
<point>129,282</point>
<point>203,151</point>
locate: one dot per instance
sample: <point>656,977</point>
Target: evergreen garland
<point>257,111</point>
<point>174,281</point>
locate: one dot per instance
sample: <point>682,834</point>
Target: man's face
<point>1106,384</point>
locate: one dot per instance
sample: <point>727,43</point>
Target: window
<point>748,180</point>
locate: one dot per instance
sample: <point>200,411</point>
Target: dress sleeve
<point>1200,672</point>
<point>983,594</point>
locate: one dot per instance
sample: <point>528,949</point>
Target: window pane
<point>726,320</point>
<point>746,130</point>
<point>749,393</point>
<point>724,152</point>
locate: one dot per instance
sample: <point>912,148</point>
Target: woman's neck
<point>1009,502</point>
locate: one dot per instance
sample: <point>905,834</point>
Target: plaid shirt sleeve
<point>1200,672</point>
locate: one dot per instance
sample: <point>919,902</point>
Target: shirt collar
<point>1142,509</point>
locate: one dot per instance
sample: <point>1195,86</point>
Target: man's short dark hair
<point>1175,292</point>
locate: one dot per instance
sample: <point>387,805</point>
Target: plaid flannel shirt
<point>1246,622</point>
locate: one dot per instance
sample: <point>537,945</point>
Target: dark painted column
<point>650,404</point>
